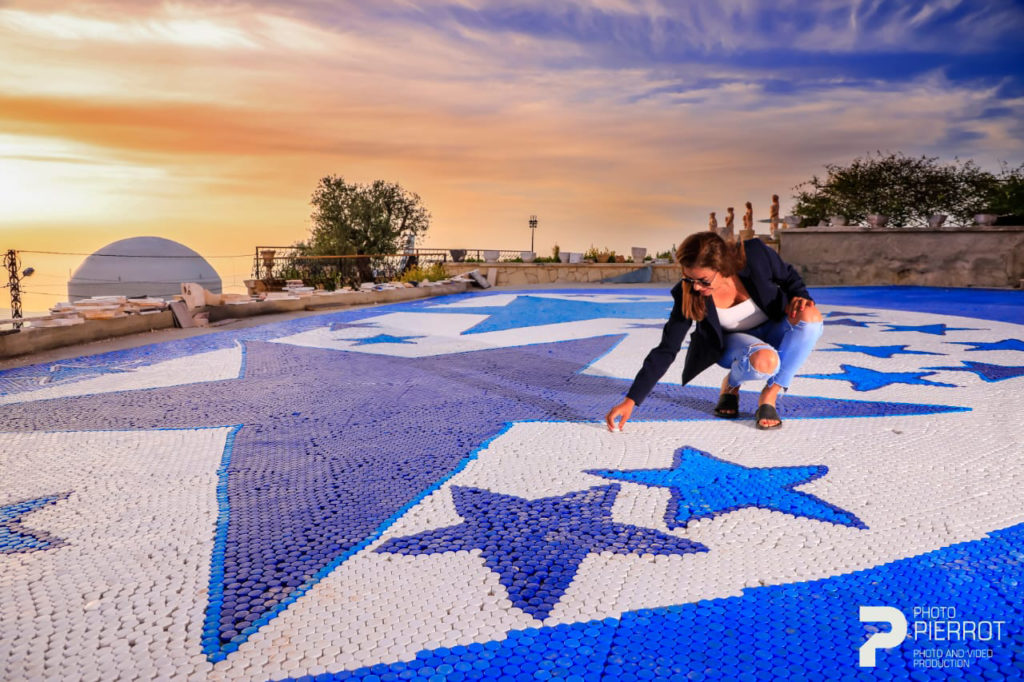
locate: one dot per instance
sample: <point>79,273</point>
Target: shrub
<point>604,255</point>
<point>433,273</point>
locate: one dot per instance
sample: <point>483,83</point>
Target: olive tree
<point>358,219</point>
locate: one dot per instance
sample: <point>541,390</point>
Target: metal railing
<point>279,263</point>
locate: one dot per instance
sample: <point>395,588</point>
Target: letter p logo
<point>881,640</point>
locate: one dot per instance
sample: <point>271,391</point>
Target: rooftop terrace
<point>427,489</point>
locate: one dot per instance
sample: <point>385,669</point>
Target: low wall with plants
<point>978,256</point>
<point>521,274</point>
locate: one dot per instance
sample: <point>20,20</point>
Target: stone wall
<point>521,274</point>
<point>950,257</point>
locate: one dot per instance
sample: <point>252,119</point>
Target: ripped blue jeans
<point>791,344</point>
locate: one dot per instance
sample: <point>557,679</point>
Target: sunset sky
<point>619,123</point>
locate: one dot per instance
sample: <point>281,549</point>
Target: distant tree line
<point>908,190</point>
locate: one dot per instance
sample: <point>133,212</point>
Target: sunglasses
<point>700,280</point>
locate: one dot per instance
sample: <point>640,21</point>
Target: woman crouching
<point>754,317</point>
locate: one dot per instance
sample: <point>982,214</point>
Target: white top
<point>741,317</point>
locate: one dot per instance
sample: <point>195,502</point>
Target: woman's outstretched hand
<point>621,412</point>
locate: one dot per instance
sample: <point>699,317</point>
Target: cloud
<point>596,115</point>
<point>174,28</point>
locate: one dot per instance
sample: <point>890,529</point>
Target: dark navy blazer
<point>771,284</point>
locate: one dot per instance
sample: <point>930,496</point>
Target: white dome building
<point>141,266</point>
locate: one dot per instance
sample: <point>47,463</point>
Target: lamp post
<point>533,229</point>
<point>14,283</point>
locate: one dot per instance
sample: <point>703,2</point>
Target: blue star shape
<point>847,323</point>
<point>864,379</point>
<point>340,326</point>
<point>533,311</point>
<point>933,329</point>
<point>876,351</point>
<point>990,373</point>
<point>326,471</point>
<point>63,373</point>
<point>1005,344</point>
<point>14,538</point>
<point>704,487</point>
<point>536,546</point>
<point>841,313</point>
<point>384,338</point>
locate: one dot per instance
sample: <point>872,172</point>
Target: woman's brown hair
<point>707,250</point>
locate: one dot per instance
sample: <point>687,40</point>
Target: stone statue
<point>712,222</point>
<point>773,215</point>
<point>727,232</point>
<point>748,223</point>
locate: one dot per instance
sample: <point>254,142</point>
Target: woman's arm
<point>786,276</point>
<point>655,364</point>
<point>661,356</point>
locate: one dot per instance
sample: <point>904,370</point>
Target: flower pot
<point>877,220</point>
<point>837,220</point>
<point>575,257</point>
<point>639,253</point>
<point>527,256</point>
<point>936,219</point>
<point>491,256</point>
<point>791,221</point>
<point>457,254</point>
<point>985,218</point>
<point>563,256</point>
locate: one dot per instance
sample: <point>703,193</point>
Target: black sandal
<point>730,402</point>
<point>768,413</point>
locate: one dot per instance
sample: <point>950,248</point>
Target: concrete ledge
<point>37,339</point>
<point>900,230</point>
<point>240,310</point>
<point>990,256</point>
<point>519,274</point>
<point>389,296</point>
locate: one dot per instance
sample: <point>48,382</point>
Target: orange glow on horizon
<point>212,125</point>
